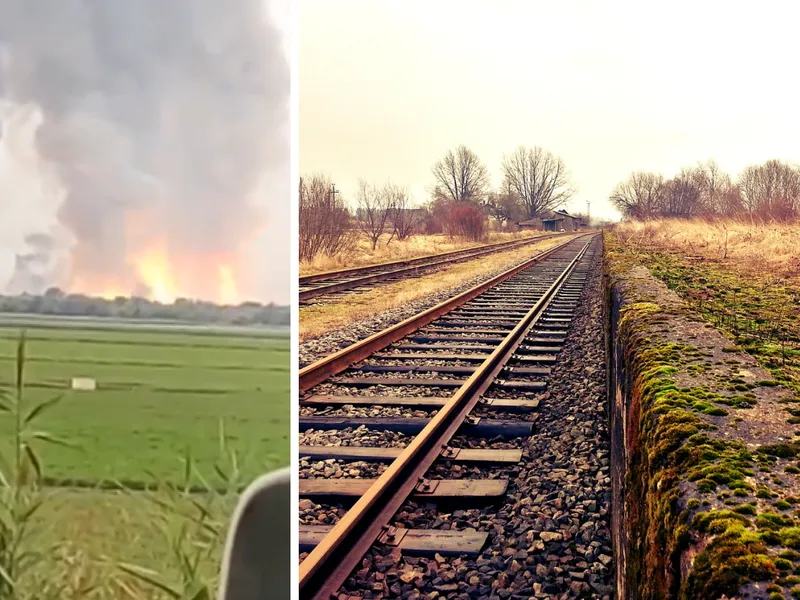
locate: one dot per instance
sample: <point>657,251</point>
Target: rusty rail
<point>337,362</point>
<point>406,267</point>
<point>327,567</point>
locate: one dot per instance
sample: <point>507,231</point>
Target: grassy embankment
<point>743,278</point>
<point>159,394</point>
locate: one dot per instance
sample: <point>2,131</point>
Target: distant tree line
<point>534,182</point>
<point>56,302</point>
<point>769,192</point>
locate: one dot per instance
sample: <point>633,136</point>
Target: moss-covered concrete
<point>704,460</point>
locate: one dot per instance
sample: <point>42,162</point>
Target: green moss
<point>783,564</point>
<point>773,521</point>
<point>717,521</point>
<point>779,450</point>
<point>769,537</point>
<point>726,564</point>
<point>782,505</point>
<point>791,537</point>
<point>737,401</point>
<point>745,509</point>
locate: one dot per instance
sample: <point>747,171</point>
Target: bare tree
<point>682,196</point>
<point>731,202</point>
<point>715,186</point>
<point>374,209</point>
<point>538,178</point>
<point>771,190</point>
<point>404,219</point>
<point>460,176</point>
<point>324,218</point>
<point>641,196</point>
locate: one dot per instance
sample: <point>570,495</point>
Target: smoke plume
<point>159,119</point>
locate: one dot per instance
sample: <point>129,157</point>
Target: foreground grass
<point>361,253</point>
<point>316,320</point>
<point>161,398</point>
<point>90,532</point>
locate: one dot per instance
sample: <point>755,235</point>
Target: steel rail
<point>337,362</point>
<point>339,286</point>
<point>420,259</point>
<point>327,567</point>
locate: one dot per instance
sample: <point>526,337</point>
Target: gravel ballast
<point>320,347</point>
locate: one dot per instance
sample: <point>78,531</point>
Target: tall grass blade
<point>51,439</point>
<point>201,594</point>
<point>20,366</point>
<point>6,402</point>
<point>34,460</point>
<point>6,579</point>
<point>187,467</point>
<point>42,407</point>
<point>150,577</point>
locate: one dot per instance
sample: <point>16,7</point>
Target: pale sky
<point>387,87</point>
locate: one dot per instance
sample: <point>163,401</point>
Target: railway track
<point>454,386</point>
<point>363,278</point>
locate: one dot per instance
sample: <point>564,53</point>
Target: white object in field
<point>84,384</point>
<point>256,564</point>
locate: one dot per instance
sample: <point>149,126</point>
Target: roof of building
<point>550,215</point>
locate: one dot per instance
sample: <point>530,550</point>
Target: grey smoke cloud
<point>160,117</point>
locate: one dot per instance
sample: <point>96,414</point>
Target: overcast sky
<point>386,88</point>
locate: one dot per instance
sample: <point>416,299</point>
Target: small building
<point>555,220</point>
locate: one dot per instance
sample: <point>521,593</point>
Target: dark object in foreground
<point>256,563</point>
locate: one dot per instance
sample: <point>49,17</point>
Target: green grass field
<point>158,393</point>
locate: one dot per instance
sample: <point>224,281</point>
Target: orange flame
<point>229,294</point>
<point>166,280</point>
<point>155,272</point>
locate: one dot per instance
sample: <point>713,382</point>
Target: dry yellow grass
<point>318,320</point>
<point>744,246</point>
<point>361,254</point>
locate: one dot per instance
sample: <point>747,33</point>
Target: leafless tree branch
<point>374,209</point>
<point>460,176</point>
<point>323,217</point>
<point>538,178</point>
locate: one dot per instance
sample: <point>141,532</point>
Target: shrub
<point>467,221</point>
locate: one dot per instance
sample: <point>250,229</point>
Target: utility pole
<point>588,217</point>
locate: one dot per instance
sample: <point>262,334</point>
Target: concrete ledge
<point>704,460</point>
